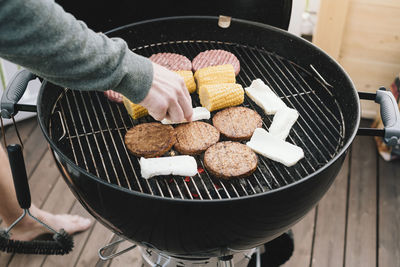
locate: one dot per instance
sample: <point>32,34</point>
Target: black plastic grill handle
<point>390,116</point>
<point>14,91</point>
<point>18,170</point>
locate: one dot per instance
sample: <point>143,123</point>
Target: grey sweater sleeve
<point>40,36</point>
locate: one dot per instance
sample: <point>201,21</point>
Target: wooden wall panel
<point>368,47</point>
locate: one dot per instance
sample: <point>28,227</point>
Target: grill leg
<point>226,262</point>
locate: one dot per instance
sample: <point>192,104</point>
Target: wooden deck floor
<point>357,223</point>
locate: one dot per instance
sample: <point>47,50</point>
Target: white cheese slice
<point>282,122</point>
<point>199,113</point>
<point>264,97</point>
<point>176,165</point>
<point>275,148</point>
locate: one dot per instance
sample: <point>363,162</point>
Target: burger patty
<point>172,61</point>
<point>215,57</point>
<point>150,139</point>
<point>195,137</point>
<point>229,160</point>
<point>237,123</point>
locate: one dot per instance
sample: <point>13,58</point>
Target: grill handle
<point>13,93</point>
<point>390,116</point>
<point>18,170</point>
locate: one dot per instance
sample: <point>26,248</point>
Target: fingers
<point>186,93</point>
<point>186,103</point>
<point>158,111</point>
<point>175,113</point>
<point>158,114</point>
<point>168,96</point>
<point>186,107</point>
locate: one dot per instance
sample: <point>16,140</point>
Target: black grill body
<point>190,227</point>
<point>106,15</point>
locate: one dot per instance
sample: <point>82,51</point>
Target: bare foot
<point>28,229</point>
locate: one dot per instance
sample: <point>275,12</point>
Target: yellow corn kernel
<point>134,110</point>
<point>218,96</point>
<point>215,75</point>
<point>188,77</point>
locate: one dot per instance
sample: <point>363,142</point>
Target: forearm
<point>40,36</point>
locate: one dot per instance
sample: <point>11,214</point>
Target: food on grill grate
<point>229,160</point>
<point>150,139</point>
<point>113,96</point>
<point>218,96</point>
<point>237,123</point>
<point>199,113</point>
<point>215,57</point>
<point>215,75</point>
<point>177,165</point>
<point>188,77</point>
<point>134,110</point>
<point>282,122</point>
<point>172,61</point>
<point>275,148</point>
<point>264,97</point>
<point>195,137</point>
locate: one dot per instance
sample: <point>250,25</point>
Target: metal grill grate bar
<point>300,120</point>
<point>100,128</point>
<point>127,154</point>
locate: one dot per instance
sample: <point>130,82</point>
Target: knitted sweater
<point>40,36</point>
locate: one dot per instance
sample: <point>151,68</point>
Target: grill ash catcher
<point>203,221</point>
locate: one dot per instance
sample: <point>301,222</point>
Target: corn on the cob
<point>188,77</point>
<point>215,75</point>
<point>217,96</point>
<point>134,110</point>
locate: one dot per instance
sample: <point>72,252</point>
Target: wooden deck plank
<point>303,233</point>
<point>330,230</point>
<point>54,204</point>
<point>26,128</point>
<point>326,242</point>
<point>5,258</point>
<point>80,240</point>
<point>99,237</point>
<point>131,258</point>
<point>43,179</point>
<point>35,147</point>
<point>361,224</point>
<point>389,216</point>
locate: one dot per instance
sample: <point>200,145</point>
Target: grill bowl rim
<point>343,149</point>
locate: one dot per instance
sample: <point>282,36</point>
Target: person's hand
<point>168,96</point>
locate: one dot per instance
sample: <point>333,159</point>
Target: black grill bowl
<point>212,227</point>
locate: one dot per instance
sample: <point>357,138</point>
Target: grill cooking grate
<point>93,129</point>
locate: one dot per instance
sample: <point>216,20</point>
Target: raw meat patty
<point>229,160</point>
<point>237,123</point>
<point>172,61</point>
<point>150,139</point>
<point>195,137</point>
<point>215,57</point>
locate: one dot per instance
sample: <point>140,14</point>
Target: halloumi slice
<point>264,97</point>
<point>275,148</point>
<point>177,165</point>
<point>199,113</point>
<point>282,122</point>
